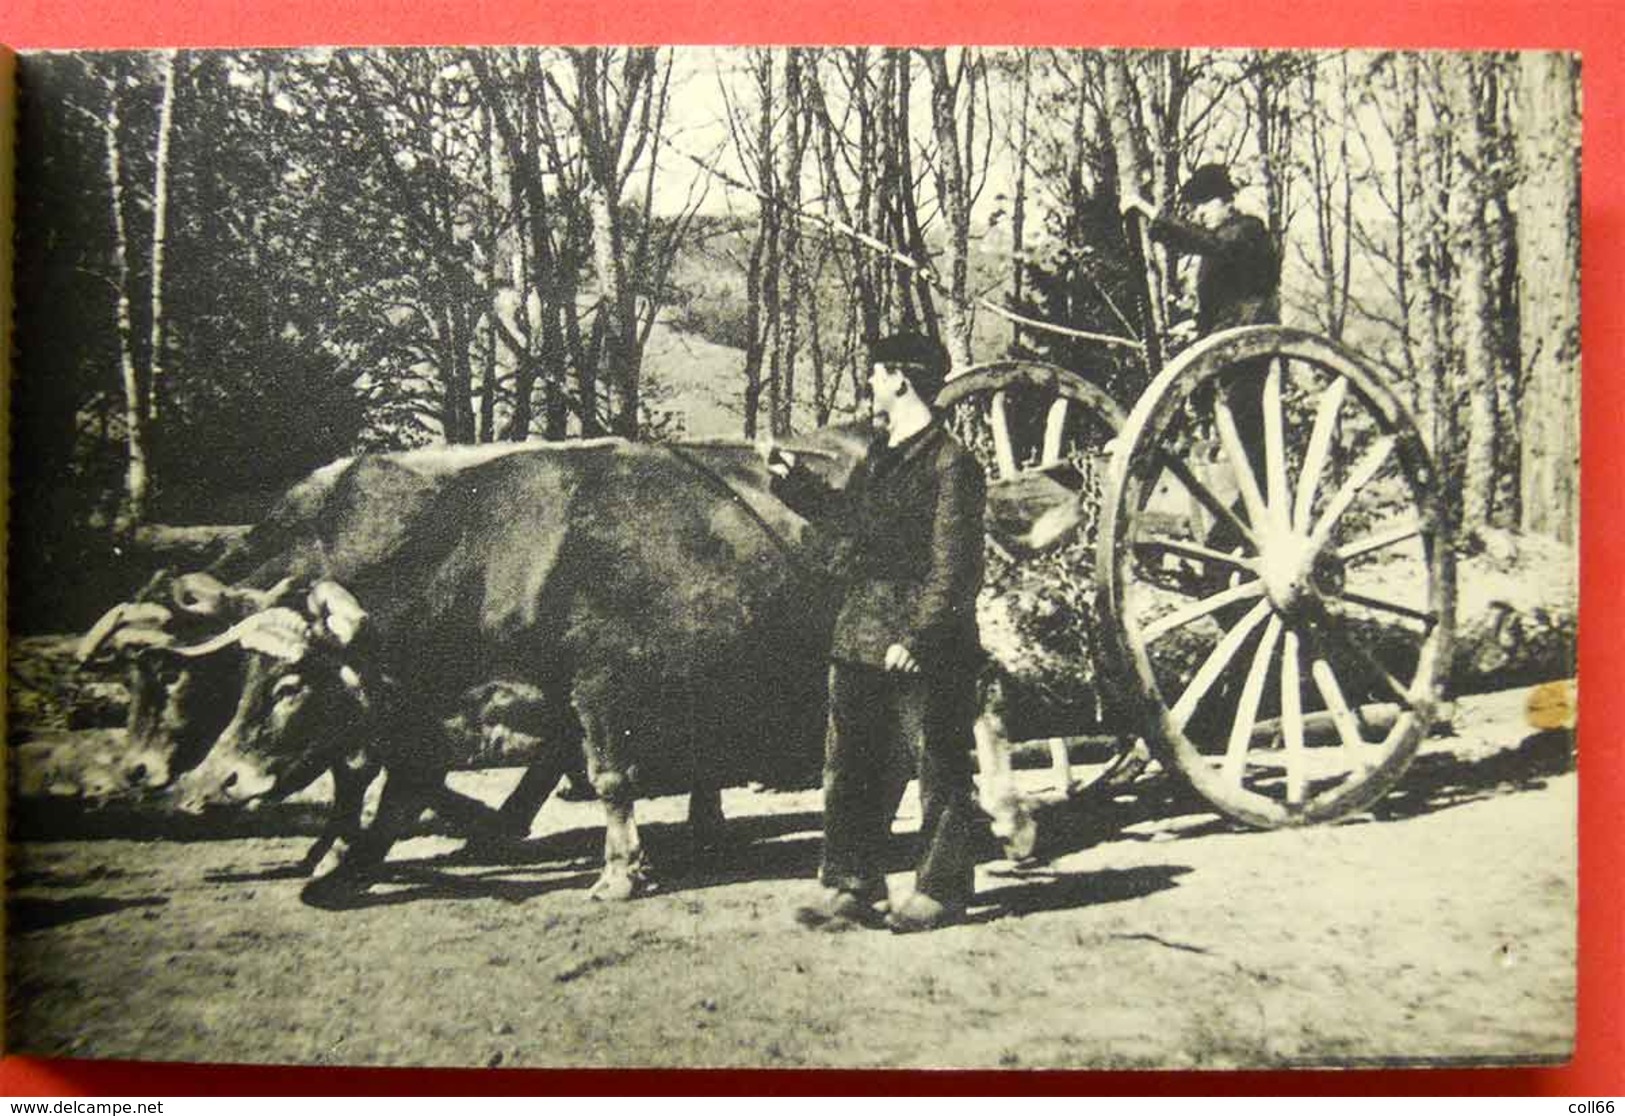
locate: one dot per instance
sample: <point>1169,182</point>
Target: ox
<point>343,516</point>
<point>656,597</point>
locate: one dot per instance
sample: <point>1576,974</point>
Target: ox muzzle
<point>264,750</point>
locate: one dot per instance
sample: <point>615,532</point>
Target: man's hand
<point>901,659</point>
<point>779,462</point>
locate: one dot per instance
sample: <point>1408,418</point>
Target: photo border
<point>1598,1067</point>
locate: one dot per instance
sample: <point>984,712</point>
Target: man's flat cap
<point>922,359</point>
<point>1208,181</point>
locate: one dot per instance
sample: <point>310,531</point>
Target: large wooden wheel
<point>1044,435</point>
<point>1274,569</point>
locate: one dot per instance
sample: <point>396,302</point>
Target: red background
<point>1590,26</point>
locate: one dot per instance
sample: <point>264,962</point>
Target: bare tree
<point>1128,146</point>
<point>1548,231</point>
<point>1331,188</point>
<point>1476,319</point>
<point>137,384</point>
<point>956,100</point>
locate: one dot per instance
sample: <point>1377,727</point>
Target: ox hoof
<point>1017,833</point>
<point>331,890</point>
<point>318,861</point>
<point>619,886</point>
<point>340,874</point>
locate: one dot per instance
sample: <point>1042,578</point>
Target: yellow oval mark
<point>1551,705</point>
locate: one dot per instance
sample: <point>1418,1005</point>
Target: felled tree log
<point>1516,620</point>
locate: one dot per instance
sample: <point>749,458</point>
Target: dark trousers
<point>885,728</point>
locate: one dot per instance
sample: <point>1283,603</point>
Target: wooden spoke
<point>1217,659</point>
<point>1426,619</point>
<point>1370,463</point>
<point>1320,445</point>
<point>1343,719</point>
<point>1333,632</point>
<point>1054,431</point>
<point>1292,720</point>
<point>1241,729</point>
<point>1004,454</point>
<point>1391,537</point>
<point>1185,548</point>
<point>1275,478</point>
<point>1305,481</point>
<point>1230,439</point>
<point>1247,590</point>
<point>1204,495</point>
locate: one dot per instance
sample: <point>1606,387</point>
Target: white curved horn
<point>198,593</point>
<point>138,623</point>
<point>136,636</point>
<point>242,601</point>
<point>110,622</point>
<point>274,594</point>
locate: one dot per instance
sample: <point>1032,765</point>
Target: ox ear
<point>336,614</point>
<point>278,632</point>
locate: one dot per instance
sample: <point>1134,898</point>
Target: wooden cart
<point>1270,571</point>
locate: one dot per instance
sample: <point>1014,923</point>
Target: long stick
<point>924,271</point>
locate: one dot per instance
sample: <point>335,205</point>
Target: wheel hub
<point>1287,567</point>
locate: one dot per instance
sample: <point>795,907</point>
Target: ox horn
<point>245,601</point>
<point>278,632</point>
<point>337,611</point>
<point>200,594</point>
<point>137,623</point>
<point>266,598</point>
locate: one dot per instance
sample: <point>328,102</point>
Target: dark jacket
<point>1239,279</point>
<point>906,544</point>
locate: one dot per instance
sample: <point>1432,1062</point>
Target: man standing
<point>1238,281</point>
<point>908,552</point>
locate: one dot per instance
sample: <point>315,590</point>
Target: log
<point>1516,624</point>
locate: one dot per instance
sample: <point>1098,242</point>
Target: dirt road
<point>1441,926</point>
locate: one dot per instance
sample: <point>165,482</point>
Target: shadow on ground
<point>1439,779</point>
<point>28,913</point>
<point>151,819</point>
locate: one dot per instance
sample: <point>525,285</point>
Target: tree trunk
<point>1018,201</point>
<point>787,334</point>
<point>1270,78</point>
<point>1408,207</point>
<point>1126,149</point>
<point>1548,233</point>
<point>920,311</point>
<point>160,229</point>
<point>756,294</point>
<point>953,180</point>
<point>137,478</point>
<point>1476,319</point>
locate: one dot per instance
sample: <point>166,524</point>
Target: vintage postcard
<point>794,557</point>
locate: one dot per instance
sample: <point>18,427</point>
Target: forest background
<point>236,266</point>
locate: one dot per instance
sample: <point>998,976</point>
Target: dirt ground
<point>1438,927</point>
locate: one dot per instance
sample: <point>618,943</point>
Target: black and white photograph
<point>794,557</point>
